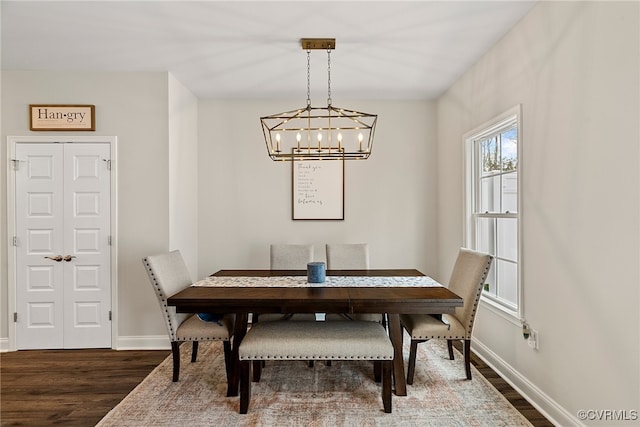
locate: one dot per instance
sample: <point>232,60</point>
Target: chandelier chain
<point>328,76</point>
<point>308,77</point>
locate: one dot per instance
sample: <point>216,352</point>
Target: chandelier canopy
<point>316,133</point>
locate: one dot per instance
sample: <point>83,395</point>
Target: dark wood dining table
<point>364,291</point>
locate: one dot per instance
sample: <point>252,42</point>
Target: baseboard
<point>149,342</point>
<point>536,397</point>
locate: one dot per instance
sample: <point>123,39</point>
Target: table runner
<point>331,281</point>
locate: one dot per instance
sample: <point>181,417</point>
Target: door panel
<point>87,229</point>
<point>63,289</point>
<point>39,215</point>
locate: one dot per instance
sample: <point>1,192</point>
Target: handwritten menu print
<point>318,189</point>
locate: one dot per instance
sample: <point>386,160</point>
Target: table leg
<point>240,329</point>
<point>395,333</point>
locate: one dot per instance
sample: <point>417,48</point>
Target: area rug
<point>293,394</point>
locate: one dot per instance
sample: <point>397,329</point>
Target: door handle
<point>56,258</point>
<point>68,257</point>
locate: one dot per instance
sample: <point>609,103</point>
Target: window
<point>492,206</point>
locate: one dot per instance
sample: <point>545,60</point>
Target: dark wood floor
<point>78,387</point>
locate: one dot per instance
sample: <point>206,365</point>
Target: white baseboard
<point>536,397</point>
<point>149,342</point>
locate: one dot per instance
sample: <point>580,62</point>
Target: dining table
<point>390,292</point>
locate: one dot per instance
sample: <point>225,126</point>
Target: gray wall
<point>574,68</point>
<point>245,197</point>
<point>133,107</point>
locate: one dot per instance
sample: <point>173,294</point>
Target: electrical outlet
<point>532,341</point>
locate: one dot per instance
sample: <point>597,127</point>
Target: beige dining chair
<point>347,256</point>
<point>467,278</point>
<point>350,256</point>
<point>285,256</point>
<point>168,274</point>
<point>290,256</point>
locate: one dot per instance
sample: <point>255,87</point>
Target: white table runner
<point>331,281</point>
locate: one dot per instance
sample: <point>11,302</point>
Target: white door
<point>63,289</point>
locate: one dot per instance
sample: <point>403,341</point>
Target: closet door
<point>63,289</point>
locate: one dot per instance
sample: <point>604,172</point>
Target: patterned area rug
<point>292,394</point>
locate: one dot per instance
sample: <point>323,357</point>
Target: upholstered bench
<point>311,340</point>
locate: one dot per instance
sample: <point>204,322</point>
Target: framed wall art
<point>317,189</point>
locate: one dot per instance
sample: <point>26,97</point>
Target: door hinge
<point>15,240</point>
<point>16,164</point>
<point>108,162</point>
<point>110,315</point>
<point>15,316</point>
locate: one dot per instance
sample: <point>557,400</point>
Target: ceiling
<point>251,49</point>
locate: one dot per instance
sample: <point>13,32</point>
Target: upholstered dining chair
<point>168,274</point>
<point>285,256</point>
<point>347,256</point>
<point>350,256</point>
<point>290,256</point>
<point>467,278</point>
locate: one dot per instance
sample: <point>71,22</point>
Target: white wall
<point>245,197</point>
<point>574,67</point>
<point>133,107</point>
<point>183,175</point>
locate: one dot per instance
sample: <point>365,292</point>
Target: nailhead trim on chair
<point>476,300</point>
<point>163,299</point>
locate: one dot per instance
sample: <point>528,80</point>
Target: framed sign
<point>62,117</point>
<point>318,189</point>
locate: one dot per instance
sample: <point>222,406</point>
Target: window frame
<point>471,193</point>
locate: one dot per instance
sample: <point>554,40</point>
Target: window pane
<point>485,235</point>
<point>490,282</point>
<point>509,150</point>
<point>507,281</point>
<point>489,194</point>
<point>489,149</point>
<point>507,238</point>
<point>510,192</point>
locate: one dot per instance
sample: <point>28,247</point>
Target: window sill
<point>509,315</point>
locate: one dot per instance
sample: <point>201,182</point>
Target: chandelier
<point>317,133</point>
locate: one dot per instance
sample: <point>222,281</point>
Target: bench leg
<point>245,385</point>
<point>377,370</point>
<point>257,370</point>
<point>386,385</point>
